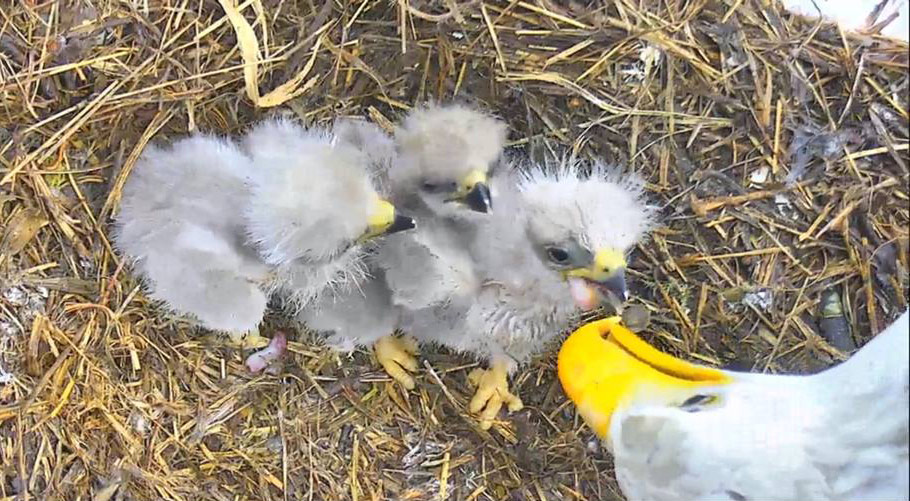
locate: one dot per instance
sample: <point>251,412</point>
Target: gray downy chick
<point>359,316</point>
<point>181,224</point>
<point>440,173</point>
<point>445,155</point>
<point>555,247</point>
<point>315,210</point>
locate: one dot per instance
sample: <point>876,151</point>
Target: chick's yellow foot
<point>247,339</point>
<point>397,357</point>
<point>492,391</point>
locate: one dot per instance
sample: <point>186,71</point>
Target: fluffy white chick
<point>446,154</point>
<point>554,247</point>
<point>314,208</point>
<point>181,223</point>
<point>438,170</point>
<point>362,315</point>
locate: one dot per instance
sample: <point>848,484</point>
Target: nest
<point>776,148</point>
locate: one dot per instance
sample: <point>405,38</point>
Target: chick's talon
<point>397,357</point>
<point>492,391</point>
<point>248,339</point>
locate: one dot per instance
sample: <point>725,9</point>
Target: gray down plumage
<point>215,228</point>
<point>524,301</point>
<point>436,148</point>
<point>314,193</point>
<point>181,222</point>
<point>358,316</point>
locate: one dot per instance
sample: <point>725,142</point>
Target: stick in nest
<point>454,11</point>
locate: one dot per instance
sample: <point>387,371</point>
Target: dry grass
<point>777,147</point>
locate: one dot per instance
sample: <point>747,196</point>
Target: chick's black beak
<point>401,223</point>
<point>616,284</point>
<point>479,199</point>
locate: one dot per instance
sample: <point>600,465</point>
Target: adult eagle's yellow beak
<point>604,367</point>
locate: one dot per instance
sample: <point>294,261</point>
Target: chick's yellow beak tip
<point>472,179</point>
<point>381,215</point>
<point>384,220</point>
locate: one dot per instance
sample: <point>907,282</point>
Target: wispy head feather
<point>372,141</point>
<point>599,203</point>
<point>447,141</point>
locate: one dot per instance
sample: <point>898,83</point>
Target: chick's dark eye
<point>557,255</point>
<point>438,187</point>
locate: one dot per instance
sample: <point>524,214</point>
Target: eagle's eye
<point>557,255</point>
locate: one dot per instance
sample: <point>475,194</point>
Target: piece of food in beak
<point>603,280</point>
<point>583,293</point>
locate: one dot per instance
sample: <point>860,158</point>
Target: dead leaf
<point>21,229</point>
<point>249,50</point>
